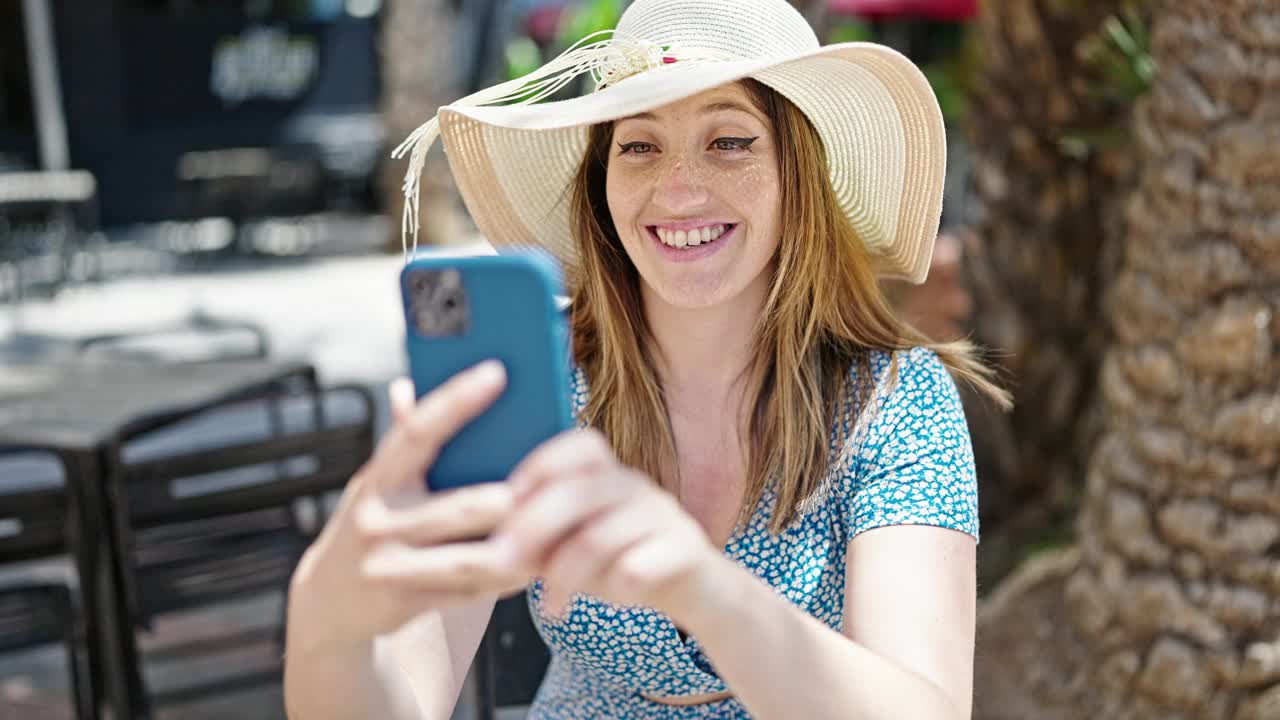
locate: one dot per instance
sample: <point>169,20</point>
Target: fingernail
<point>489,371</point>
<point>401,392</point>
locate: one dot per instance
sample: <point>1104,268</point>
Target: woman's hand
<point>585,523</point>
<point>391,550</point>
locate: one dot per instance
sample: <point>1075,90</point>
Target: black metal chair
<point>38,523</point>
<point>217,504</point>
<point>45,214</point>
<point>511,660</point>
<point>209,508</point>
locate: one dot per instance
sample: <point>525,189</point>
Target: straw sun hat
<point>513,158</point>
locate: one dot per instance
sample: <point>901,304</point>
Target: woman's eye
<point>730,144</point>
<point>635,148</point>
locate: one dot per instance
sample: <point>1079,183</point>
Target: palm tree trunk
<point>1039,262</point>
<point>1168,607</point>
<point>421,70</point>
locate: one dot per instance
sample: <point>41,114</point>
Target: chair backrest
<point>34,504</point>
<point>199,495</point>
<point>36,515</point>
<point>33,615</point>
<point>511,659</point>
<point>246,456</point>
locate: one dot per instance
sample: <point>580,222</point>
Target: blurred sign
<point>263,62</point>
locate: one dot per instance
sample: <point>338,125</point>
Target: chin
<point>692,293</point>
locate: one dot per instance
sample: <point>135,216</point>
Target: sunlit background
<point>199,240</point>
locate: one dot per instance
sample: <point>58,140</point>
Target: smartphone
<point>460,311</point>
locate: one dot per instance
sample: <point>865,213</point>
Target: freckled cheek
<point>756,191</point>
<point>627,193</point>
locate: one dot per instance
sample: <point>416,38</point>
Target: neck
<point>702,353</point>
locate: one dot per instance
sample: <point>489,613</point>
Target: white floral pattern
<point>911,462</point>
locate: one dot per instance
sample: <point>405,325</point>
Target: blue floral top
<point>907,460</point>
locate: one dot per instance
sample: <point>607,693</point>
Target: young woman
<point>770,510</point>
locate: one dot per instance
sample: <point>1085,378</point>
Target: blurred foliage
<point>1119,54</point>
<point>577,20</point>
<point>950,70</point>
<point>850,30</point>
<point>953,69</point>
<point>523,56</point>
<point>952,95</point>
<point>586,17</point>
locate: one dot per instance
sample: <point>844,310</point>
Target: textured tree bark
<point>1038,262</point>
<point>420,72</point>
<point>1167,609</point>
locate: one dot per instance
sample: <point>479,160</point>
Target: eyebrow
<point>709,108</point>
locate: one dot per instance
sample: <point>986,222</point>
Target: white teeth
<point>690,238</point>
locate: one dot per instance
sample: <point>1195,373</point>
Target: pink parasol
<point>543,21</point>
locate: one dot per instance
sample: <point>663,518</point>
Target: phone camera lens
<point>438,305</point>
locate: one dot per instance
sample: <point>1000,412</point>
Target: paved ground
<point>340,312</point>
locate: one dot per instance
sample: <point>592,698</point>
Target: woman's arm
<point>907,651</point>
<point>415,673</point>
<point>388,605</point>
<point>587,524</point>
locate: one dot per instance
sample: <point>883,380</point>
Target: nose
<point>681,186</point>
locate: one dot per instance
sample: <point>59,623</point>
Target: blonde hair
<point>824,313</point>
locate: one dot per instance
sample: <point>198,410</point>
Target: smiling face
<point>694,193</point>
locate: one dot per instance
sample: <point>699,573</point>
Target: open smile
<point>691,237</point>
<point>686,244</point>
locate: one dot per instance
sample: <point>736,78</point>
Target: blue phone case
<point>512,318</point>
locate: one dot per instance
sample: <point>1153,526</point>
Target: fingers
<point>460,568</point>
<point>543,519</point>
<point>577,451</point>
<point>400,392</point>
<point>645,565</point>
<point>579,561</point>
<point>418,433</point>
<point>462,514</point>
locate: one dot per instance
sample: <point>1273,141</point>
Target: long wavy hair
<point>824,313</point>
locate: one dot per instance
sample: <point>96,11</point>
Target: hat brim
<point>876,113</point>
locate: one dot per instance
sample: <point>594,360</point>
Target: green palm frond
<point>1120,53</point>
